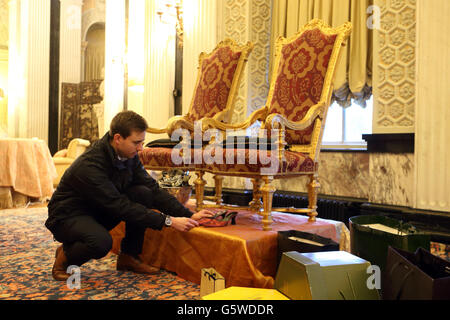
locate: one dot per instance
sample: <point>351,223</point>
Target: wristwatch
<point>168,221</point>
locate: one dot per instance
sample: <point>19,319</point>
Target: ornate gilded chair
<point>293,118</point>
<point>218,79</point>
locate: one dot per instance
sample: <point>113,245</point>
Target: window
<point>344,127</point>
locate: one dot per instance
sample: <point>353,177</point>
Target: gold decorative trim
<point>225,115</point>
<point>259,114</point>
<point>256,175</point>
<point>394,73</point>
<point>316,112</point>
<point>342,33</point>
<point>316,115</point>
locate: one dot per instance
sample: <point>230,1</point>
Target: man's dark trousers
<point>86,237</point>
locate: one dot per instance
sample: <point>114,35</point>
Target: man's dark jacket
<point>96,183</point>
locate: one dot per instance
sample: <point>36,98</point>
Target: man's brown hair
<point>125,122</point>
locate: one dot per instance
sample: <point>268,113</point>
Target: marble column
<point>114,59</point>
<point>28,75</point>
<point>159,75</point>
<point>200,35</point>
<point>70,41</point>
<point>136,55</point>
<point>432,155</point>
<point>70,48</point>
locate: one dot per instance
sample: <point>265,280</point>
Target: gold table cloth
<point>26,168</point>
<point>242,253</point>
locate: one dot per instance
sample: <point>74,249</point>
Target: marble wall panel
<point>228,182</point>
<point>392,179</point>
<point>376,177</point>
<point>342,174</point>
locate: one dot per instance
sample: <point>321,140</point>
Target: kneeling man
<point>104,186</point>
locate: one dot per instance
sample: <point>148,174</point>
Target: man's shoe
<point>125,262</point>
<point>60,266</point>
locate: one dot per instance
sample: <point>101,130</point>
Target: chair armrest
<point>62,160</point>
<point>314,112</point>
<point>79,141</point>
<point>179,122</point>
<point>76,147</point>
<point>155,130</point>
<point>259,114</point>
<point>172,124</point>
<point>60,154</point>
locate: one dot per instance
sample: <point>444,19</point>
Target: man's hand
<point>183,224</point>
<point>202,214</point>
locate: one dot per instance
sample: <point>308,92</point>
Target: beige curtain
<point>354,70</point>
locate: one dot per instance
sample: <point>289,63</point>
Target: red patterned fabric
<point>300,79</point>
<point>158,158</point>
<point>216,76</point>
<point>253,161</point>
<point>231,160</point>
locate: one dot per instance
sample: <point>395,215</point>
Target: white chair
<point>65,157</point>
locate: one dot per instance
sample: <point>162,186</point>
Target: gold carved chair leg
<point>256,203</point>
<point>218,180</point>
<point>313,189</point>
<point>267,191</point>
<point>199,188</point>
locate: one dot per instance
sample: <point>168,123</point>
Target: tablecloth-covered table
<point>244,254</point>
<point>26,171</point>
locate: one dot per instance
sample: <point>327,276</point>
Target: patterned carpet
<point>27,254</point>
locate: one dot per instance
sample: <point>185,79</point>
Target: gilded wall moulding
<point>259,62</point>
<point>248,21</point>
<point>235,21</point>
<point>395,64</point>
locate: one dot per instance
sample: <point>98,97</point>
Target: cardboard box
<point>333,275</point>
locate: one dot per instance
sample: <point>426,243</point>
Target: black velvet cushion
<point>260,143</point>
<point>162,143</point>
<point>167,143</point>
<point>247,143</point>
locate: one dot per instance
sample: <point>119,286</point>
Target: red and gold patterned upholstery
<point>161,159</point>
<point>252,161</point>
<point>218,79</point>
<point>300,79</point>
<point>214,84</point>
<point>297,104</point>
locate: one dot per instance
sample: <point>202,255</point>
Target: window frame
<point>343,144</point>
